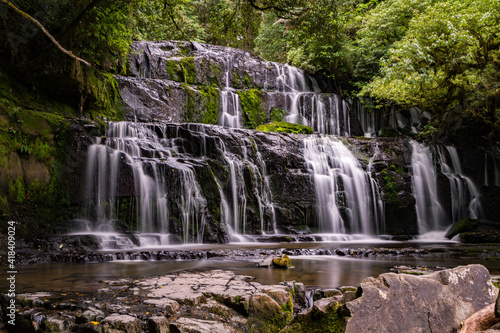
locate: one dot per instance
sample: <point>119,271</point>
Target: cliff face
<point>171,171</point>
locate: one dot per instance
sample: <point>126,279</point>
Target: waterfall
<point>430,213</point>
<point>464,193</point>
<point>136,148</point>
<point>230,108</point>
<point>285,87</point>
<point>234,210</point>
<point>347,197</point>
<point>491,178</point>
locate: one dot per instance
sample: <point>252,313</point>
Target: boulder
<point>282,262</point>
<point>438,302</point>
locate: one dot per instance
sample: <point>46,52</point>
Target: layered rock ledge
<point>221,301</point>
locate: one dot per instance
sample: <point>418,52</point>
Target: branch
<point>45,31</point>
<point>481,320</point>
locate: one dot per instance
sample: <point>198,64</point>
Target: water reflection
<point>313,271</point>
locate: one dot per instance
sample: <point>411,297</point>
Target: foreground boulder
<point>438,302</point>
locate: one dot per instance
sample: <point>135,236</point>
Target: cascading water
<point>154,168</point>
<point>136,148</point>
<point>430,213</point>
<point>491,171</point>
<point>347,197</point>
<point>231,113</point>
<point>464,193</point>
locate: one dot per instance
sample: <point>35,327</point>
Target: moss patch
<point>465,225</point>
<point>317,321</point>
<point>251,104</point>
<point>188,70</point>
<point>390,187</point>
<point>285,127</point>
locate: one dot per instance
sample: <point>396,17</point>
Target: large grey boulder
<point>438,302</point>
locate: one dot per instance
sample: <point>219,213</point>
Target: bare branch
<point>45,31</point>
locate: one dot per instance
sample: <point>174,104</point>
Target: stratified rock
<point>438,302</point>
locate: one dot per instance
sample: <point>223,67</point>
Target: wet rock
<point>193,325</point>
<point>282,262</point>
<point>433,303</point>
<point>158,324</point>
<point>123,323</point>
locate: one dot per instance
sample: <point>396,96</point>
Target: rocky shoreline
<point>222,301</point>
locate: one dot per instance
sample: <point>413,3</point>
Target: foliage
<point>448,58</point>
<point>285,127</point>
<point>219,22</point>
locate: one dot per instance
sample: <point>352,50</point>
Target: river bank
<point>220,300</point>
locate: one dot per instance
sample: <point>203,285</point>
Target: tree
<point>448,58</point>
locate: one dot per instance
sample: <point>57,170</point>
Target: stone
<point>194,325</point>
<point>437,302</point>
<point>282,262</point>
<point>158,324</point>
<point>123,323</point>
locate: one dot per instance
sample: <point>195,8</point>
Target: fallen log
<point>481,320</point>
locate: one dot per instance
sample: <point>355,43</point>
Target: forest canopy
<point>441,56</point>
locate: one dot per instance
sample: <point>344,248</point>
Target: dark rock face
<point>438,302</point>
<point>268,169</point>
<point>183,82</point>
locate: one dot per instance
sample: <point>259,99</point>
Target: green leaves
<point>443,58</point>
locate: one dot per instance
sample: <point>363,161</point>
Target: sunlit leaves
<point>443,58</point>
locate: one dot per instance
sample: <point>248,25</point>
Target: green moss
<point>188,70</point>
<point>190,106</point>
<point>277,114</point>
<point>215,71</point>
<point>462,226</point>
<point>390,187</point>
<point>202,106</point>
<point>282,262</point>
<point>184,50</point>
<point>318,322</point>
<point>253,113</point>
<point>285,127</point>
<point>211,104</point>
<point>17,192</point>
<point>174,70</point>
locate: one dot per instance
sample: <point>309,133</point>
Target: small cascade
<point>464,193</point>
<point>234,210</point>
<point>430,213</point>
<point>369,120</point>
<point>491,171</point>
<point>136,148</point>
<point>230,101</point>
<point>344,191</point>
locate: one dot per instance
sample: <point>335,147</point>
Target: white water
<point>345,198</point>
<point>136,147</point>
<point>464,193</point>
<point>230,101</point>
<point>430,213</point>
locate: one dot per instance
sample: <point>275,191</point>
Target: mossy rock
<point>282,262</point>
<point>285,127</point>
<point>389,132</point>
<point>465,225</point>
<point>251,105</point>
